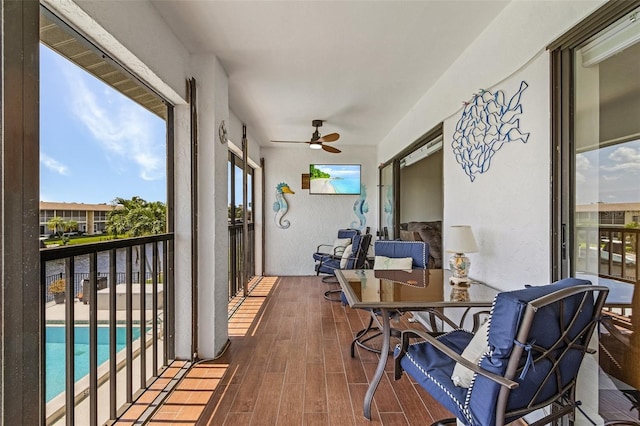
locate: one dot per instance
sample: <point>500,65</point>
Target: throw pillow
<point>339,245</point>
<point>383,262</point>
<point>345,256</point>
<point>474,351</point>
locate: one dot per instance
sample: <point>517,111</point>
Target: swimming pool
<point>55,353</point>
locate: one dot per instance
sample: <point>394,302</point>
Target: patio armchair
<point>345,237</point>
<point>353,257</point>
<point>395,251</point>
<point>524,358</point>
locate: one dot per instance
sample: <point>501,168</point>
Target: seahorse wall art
<point>388,207</point>
<point>486,124</point>
<point>360,208</point>
<point>281,206</point>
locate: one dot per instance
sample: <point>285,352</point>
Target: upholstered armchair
<point>526,357</point>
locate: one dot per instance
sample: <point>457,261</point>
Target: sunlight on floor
<point>195,386</point>
<point>246,316</point>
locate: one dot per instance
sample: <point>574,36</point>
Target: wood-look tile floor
<point>289,363</point>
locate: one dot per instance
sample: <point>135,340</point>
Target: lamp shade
<point>460,240</point>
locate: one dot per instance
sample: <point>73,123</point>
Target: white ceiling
<point>359,65</point>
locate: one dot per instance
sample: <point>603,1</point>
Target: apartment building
<point>91,218</point>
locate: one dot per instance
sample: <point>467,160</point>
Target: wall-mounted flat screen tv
<point>339,179</point>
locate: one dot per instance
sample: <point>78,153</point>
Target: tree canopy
<point>137,217</point>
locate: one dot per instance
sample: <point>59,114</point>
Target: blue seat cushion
<point>432,369</point>
<point>328,265</point>
<point>319,256</point>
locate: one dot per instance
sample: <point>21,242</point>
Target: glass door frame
<point>432,134</point>
<point>563,166</point>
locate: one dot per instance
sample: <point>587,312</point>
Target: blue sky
<point>95,144</point>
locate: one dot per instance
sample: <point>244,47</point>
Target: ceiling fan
<point>317,141</point>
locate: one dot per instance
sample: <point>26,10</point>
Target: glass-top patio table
<point>410,290</point>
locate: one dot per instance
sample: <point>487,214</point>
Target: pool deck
<point>55,313</point>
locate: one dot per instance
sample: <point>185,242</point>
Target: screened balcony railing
<point>236,255</point>
<point>608,251</point>
<point>108,333</point>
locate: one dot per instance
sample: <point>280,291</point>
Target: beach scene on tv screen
<point>334,179</point>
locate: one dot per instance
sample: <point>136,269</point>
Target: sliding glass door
<point>596,73</point>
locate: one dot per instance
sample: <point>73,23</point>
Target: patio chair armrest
<point>323,245</point>
<point>407,334</point>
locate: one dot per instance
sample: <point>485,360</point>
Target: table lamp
<point>460,241</point>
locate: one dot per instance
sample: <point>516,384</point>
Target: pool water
<point>55,354</point>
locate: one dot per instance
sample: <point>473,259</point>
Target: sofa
<point>429,232</point>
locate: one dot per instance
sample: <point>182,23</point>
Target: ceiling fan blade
<point>289,141</point>
<point>331,149</point>
<point>331,137</point>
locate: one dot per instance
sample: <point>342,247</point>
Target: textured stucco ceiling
<point>359,65</point>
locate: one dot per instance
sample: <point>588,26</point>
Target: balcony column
<point>21,311</point>
<point>213,250</point>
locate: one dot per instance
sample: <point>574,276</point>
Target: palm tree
<point>116,223</point>
<point>55,224</point>
<point>140,217</point>
<point>137,217</point>
<point>71,225</point>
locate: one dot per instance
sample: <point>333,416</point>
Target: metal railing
<point>236,254</point>
<point>130,325</point>
<point>611,252</point>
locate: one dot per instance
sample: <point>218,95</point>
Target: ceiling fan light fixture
<point>315,145</point>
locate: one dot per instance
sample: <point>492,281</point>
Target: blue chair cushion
<point>418,250</point>
<point>328,265</point>
<point>476,405</point>
<point>348,233</point>
<point>432,369</point>
<point>508,309</point>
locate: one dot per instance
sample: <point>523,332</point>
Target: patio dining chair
<point>524,358</point>
<point>354,257</point>
<point>335,249</point>
<point>387,255</point>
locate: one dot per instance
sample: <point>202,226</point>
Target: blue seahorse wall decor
<point>281,206</point>
<point>487,122</point>
<point>388,207</point>
<point>360,208</point>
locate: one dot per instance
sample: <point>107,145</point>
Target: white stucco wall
<point>315,219</point>
<point>513,228</point>
<point>521,31</point>
<point>212,101</point>
<point>508,206</point>
<point>182,248</point>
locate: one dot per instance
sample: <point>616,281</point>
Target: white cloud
<point>53,164</point>
<point>122,128</point>
<point>583,166</point>
<point>626,159</point>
